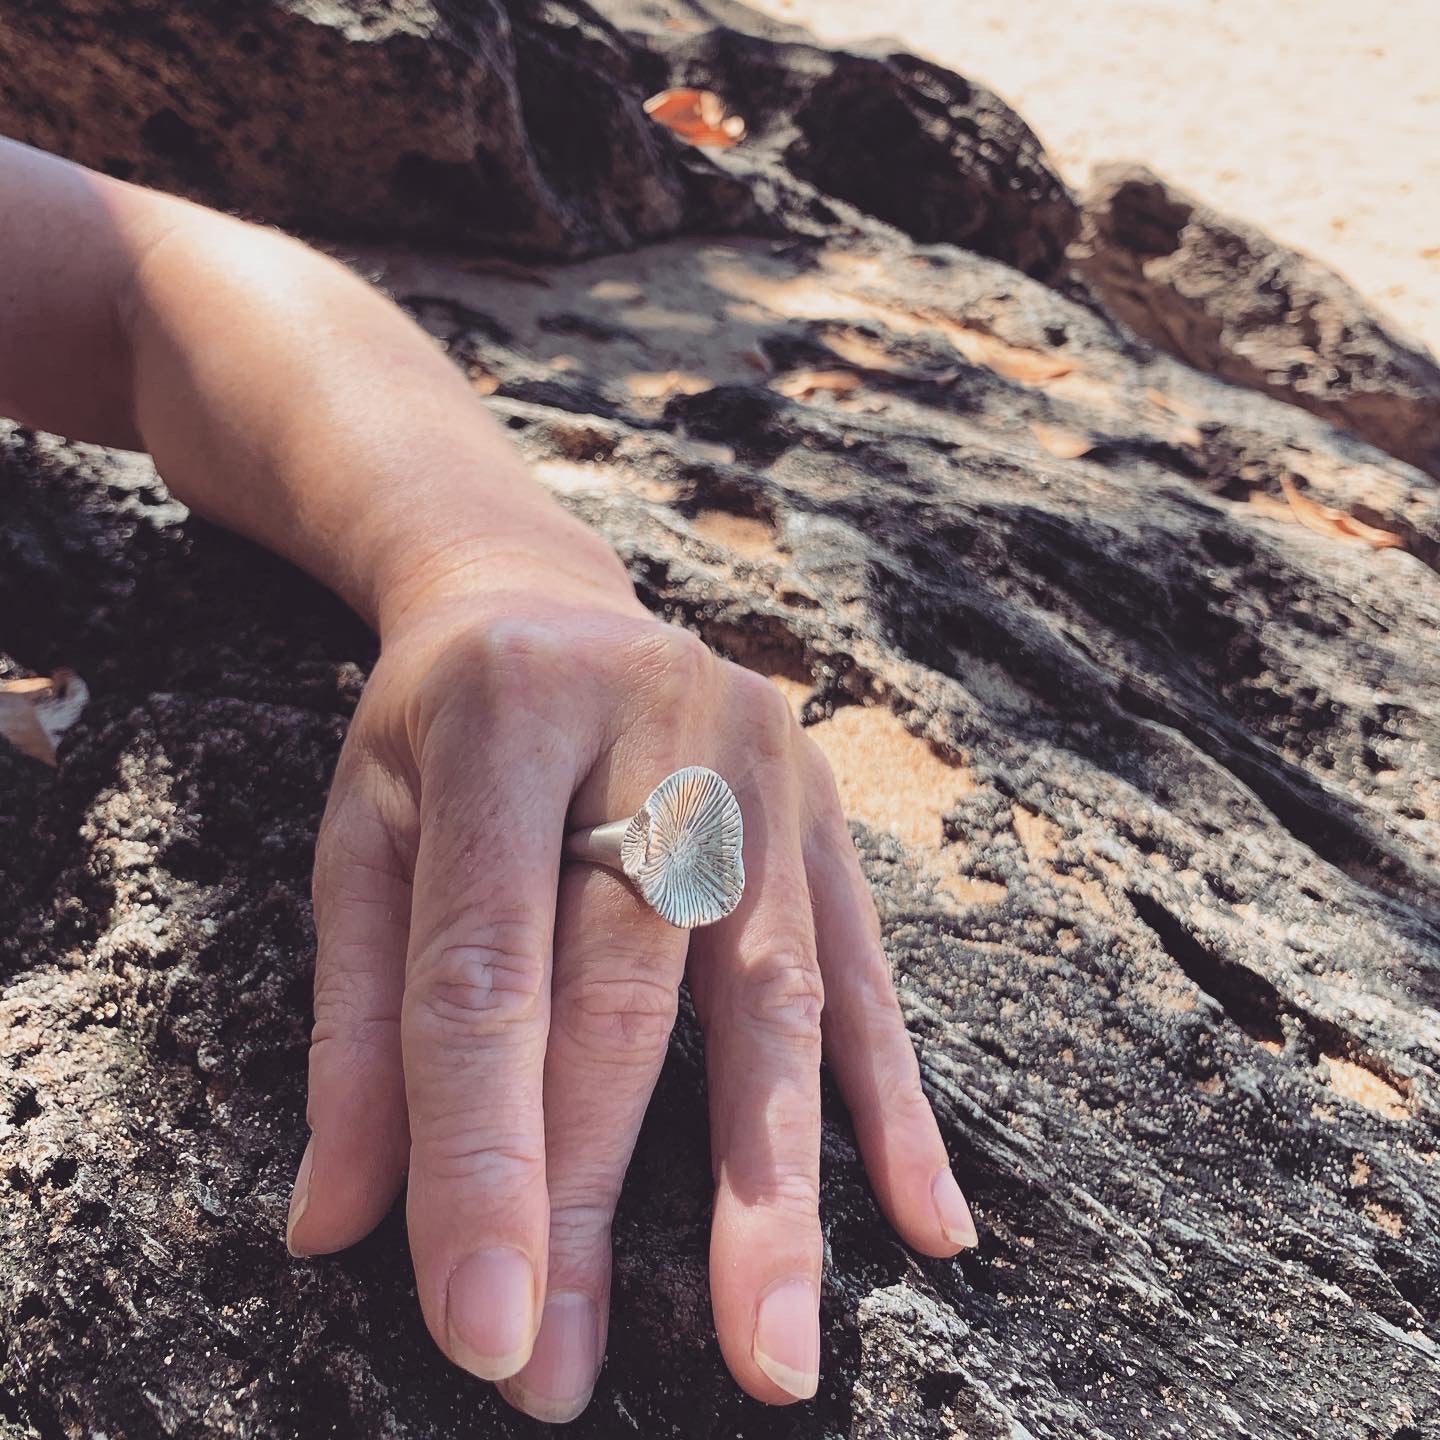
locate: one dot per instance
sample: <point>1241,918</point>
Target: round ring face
<point>682,849</point>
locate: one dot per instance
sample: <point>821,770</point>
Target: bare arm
<point>279,394</point>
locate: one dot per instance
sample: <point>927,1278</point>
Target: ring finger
<point>758,994</point>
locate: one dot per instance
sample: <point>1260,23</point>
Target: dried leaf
<point>697,116</point>
<point>1064,443</point>
<point>802,384</point>
<point>35,713</point>
<point>1326,520</point>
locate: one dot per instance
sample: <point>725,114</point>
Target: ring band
<point>680,849</point>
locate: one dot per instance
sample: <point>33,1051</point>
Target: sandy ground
<point>1317,119</point>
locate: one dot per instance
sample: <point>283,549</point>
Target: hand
<point>494,1022</point>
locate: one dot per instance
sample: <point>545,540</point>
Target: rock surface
<point>518,126</point>
<point>1143,772</point>
<point>1228,299</point>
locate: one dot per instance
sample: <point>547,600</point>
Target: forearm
<point>279,394</point>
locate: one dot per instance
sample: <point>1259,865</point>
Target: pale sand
<point>1316,119</point>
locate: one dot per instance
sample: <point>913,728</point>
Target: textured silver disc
<point>681,850</point>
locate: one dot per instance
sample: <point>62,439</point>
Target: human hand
<point>494,1022</point>
<point>483,1019</point>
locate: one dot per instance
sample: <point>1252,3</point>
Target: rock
<point>1160,899</point>
<point>1142,769</point>
<point>895,136</point>
<point>430,120</point>
<point>1228,299</point>
<point>515,126</point>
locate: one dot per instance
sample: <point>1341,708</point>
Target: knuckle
<point>512,650</point>
<point>680,664</point>
<point>481,988</point>
<point>484,673</point>
<point>784,994</point>
<point>347,1029</point>
<point>580,1225</point>
<point>793,1194</point>
<point>623,1017</point>
<point>770,723</point>
<point>357,864</point>
<point>454,1148</point>
<point>819,777</point>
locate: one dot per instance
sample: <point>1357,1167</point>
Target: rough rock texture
<point>1143,772</point>
<point>518,125</point>
<point>1228,299</point>
<point>423,118</point>
<point>899,138</point>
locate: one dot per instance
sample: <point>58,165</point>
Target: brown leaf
<point>697,116</point>
<point>802,384</point>
<point>1326,520</point>
<point>35,713</point>
<point>1065,443</point>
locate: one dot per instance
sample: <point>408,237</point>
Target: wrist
<point>496,564</point>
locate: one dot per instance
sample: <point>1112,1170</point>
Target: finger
<point>496,777</point>
<point>355,1160</point>
<point>867,1044</point>
<point>758,992</point>
<point>613,1003</point>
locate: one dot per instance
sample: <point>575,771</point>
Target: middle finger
<point>617,979</point>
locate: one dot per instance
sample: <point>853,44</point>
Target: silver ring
<point>680,849</point>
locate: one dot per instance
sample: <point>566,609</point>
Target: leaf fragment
<point>35,713</point>
<point>696,116</point>
<point>1327,520</point>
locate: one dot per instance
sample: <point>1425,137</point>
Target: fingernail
<point>555,1385</point>
<point>490,1312</point>
<point>787,1337</point>
<point>300,1196</point>
<point>952,1211</point>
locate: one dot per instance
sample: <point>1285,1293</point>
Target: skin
<point>487,1021</point>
